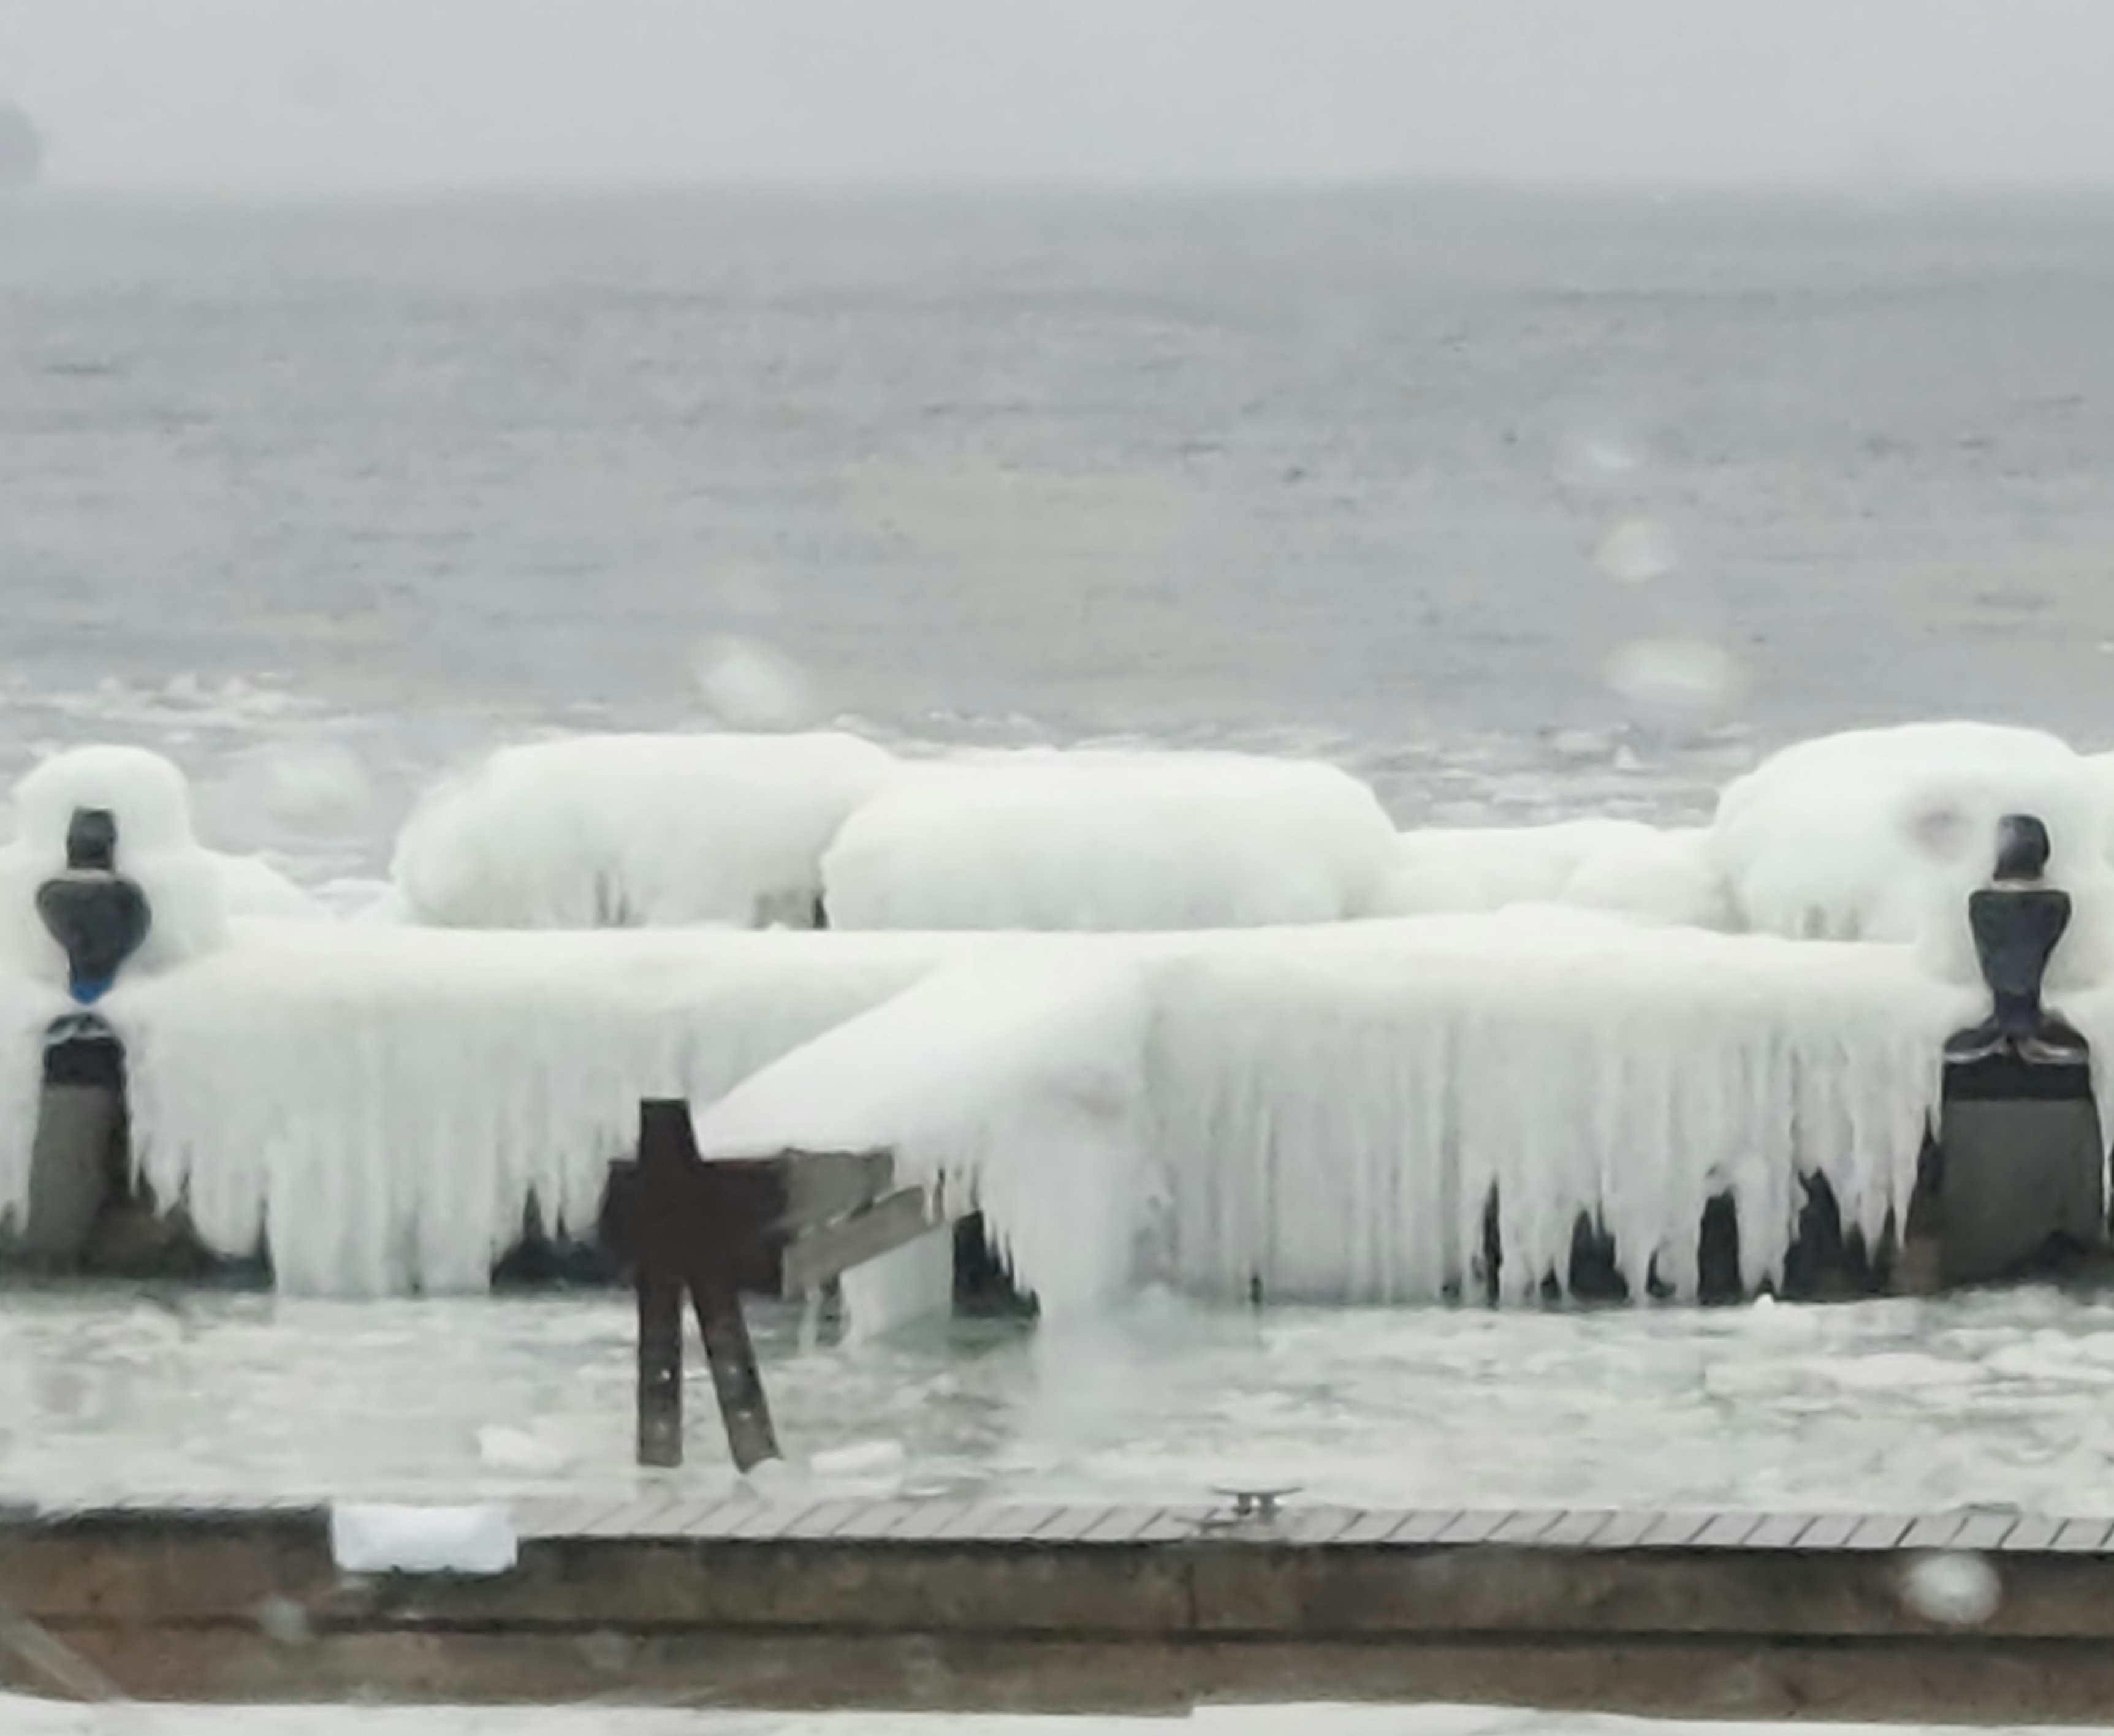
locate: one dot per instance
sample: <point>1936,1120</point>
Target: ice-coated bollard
<point>78,1162</point>
<point>97,917</point>
<point>2018,1173</point>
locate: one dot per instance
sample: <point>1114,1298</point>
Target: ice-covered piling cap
<point>145,797</point>
<point>74,810</point>
<point>2022,848</point>
<point>91,842</point>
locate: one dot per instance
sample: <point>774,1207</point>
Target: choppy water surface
<point>1889,1406</point>
<point>1519,505</point>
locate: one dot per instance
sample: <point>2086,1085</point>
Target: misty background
<point>265,94</point>
<point>1538,406</point>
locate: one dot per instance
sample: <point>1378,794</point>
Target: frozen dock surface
<point>967,1606</point>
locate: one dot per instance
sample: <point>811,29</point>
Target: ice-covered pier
<point>1662,1062</point>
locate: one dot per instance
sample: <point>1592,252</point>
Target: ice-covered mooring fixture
<point>2017,921</point>
<point>97,916</point>
<point>2015,1180</point>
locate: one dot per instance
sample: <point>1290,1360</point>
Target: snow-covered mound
<point>624,831</point>
<point>184,883</point>
<point>1109,841</point>
<point>1329,1113</point>
<point>1655,876</point>
<point>1010,1079</point>
<point>250,886</point>
<point>1617,864</point>
<point>1881,834</point>
<point>1324,1109</point>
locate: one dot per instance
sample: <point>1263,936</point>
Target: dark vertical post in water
<point>78,1165</point>
<point>689,1226</point>
<point>660,1365</point>
<point>2018,1172</point>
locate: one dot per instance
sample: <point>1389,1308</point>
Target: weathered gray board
<point>962,1605</point>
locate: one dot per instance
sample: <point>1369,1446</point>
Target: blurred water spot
<point>1636,551</point>
<point>1599,461</point>
<point>753,686</point>
<point>1680,675</point>
<point>1955,1590</point>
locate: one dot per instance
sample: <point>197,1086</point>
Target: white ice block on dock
<point>379,1539</point>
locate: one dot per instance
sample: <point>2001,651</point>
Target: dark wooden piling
<point>692,1228</point>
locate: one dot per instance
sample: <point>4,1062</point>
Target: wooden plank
<point>2032,1533</point>
<point>706,1517</point>
<point>1675,1530</point>
<point>1625,1530</point>
<point>1525,1528</point>
<point>1879,1531</point>
<point>763,1522</point>
<point>1934,1531</point>
<point>1372,1527</point>
<point>822,1520</point>
<point>820,1185</point>
<point>1016,1522</point>
<point>558,1518</point>
<point>1472,1528</point>
<point>874,1520</point>
<point>973,1518</point>
<point>931,1519</point>
<point>1577,1529</point>
<point>1420,1526</point>
<point>1985,1530</point>
<point>1728,1531</point>
<point>1120,1525</point>
<point>1316,1525</point>
<point>2081,1537</point>
<point>625,1519</point>
<point>1830,1531</point>
<point>813,1257</point>
<point>1072,1525</point>
<point>1779,1530</point>
<point>1174,1525</point>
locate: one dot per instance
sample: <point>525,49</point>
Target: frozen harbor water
<point>1885,1406</point>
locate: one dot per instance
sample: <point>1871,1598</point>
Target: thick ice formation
<point>1332,1120</point>
<point>250,886</point>
<point>1008,1080</point>
<point>1880,835</point>
<point>1103,840</point>
<point>369,1538</point>
<point>382,1101</point>
<point>1471,868</point>
<point>622,831</point>
<point>185,886</point>
<point>1327,1114</point>
<point>1622,866</point>
<point>1323,1109</point>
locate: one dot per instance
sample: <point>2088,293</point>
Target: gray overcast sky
<point>386,93</point>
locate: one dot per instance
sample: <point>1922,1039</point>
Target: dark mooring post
<point>2018,1173</point>
<point>687,1227</point>
<point>79,1163</point>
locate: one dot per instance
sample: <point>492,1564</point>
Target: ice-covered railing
<point>1872,835</point>
<point>1330,1116</point>
<point>1325,1110</point>
<point>622,831</point>
<point>1322,1110</point>
<point>626,831</point>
